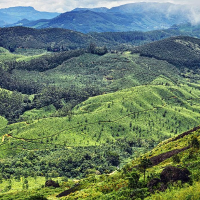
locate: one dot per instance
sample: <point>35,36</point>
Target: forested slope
<point>179,51</point>
<point>76,113</point>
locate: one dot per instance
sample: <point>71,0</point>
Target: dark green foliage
<point>12,104</point>
<point>50,39</point>
<point>179,51</point>
<point>113,158</point>
<point>56,40</point>
<point>145,163</point>
<point>36,197</point>
<point>133,178</point>
<point>176,158</point>
<point>66,162</point>
<point>92,48</point>
<point>47,62</point>
<point>195,142</point>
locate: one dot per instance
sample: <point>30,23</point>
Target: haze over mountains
<point>13,14</point>
<point>129,17</point>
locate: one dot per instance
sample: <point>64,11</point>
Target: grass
<point>3,122</point>
<point>5,55</point>
<point>34,184</point>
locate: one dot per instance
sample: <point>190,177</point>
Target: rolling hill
<point>180,51</point>
<point>56,39</point>
<point>166,176</point>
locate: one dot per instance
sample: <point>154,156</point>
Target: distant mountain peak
<point>30,8</point>
<point>100,9</point>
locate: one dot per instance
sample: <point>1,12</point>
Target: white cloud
<point>67,5</point>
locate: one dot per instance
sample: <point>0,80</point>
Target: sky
<point>67,5</point>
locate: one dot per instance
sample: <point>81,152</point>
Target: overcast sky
<point>67,5</point>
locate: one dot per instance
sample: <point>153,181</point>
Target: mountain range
<point>14,14</point>
<point>129,17</point>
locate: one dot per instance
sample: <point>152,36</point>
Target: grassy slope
<point>3,122</point>
<point>151,112</point>
<point>19,55</point>
<point>154,112</point>
<point>5,55</point>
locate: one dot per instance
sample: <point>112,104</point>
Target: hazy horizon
<point>64,6</point>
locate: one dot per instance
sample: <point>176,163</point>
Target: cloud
<point>67,5</point>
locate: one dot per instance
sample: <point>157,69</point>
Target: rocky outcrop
<point>170,174</point>
<point>51,183</point>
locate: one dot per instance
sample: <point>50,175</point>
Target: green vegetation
<point>105,129</point>
<point>179,51</point>
<point>128,182</point>
<point>83,114</point>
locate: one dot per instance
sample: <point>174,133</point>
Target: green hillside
<point>134,119</point>
<point>179,51</point>
<point>67,78</point>
<point>3,122</point>
<point>128,182</point>
<point>82,115</point>
<point>57,39</point>
<point>109,72</point>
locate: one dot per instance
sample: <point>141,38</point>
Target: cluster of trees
<point>47,62</point>
<point>92,48</point>
<point>75,162</point>
<point>10,82</point>
<point>12,104</point>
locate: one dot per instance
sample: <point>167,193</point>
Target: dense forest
<point>61,39</point>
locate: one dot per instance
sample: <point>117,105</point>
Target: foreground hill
<point>133,119</point>
<point>169,171</point>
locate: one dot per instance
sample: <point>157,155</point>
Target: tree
<point>145,163</point>
<point>92,48</point>
<point>195,142</point>
<point>113,158</point>
<point>133,179</point>
<point>176,158</point>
